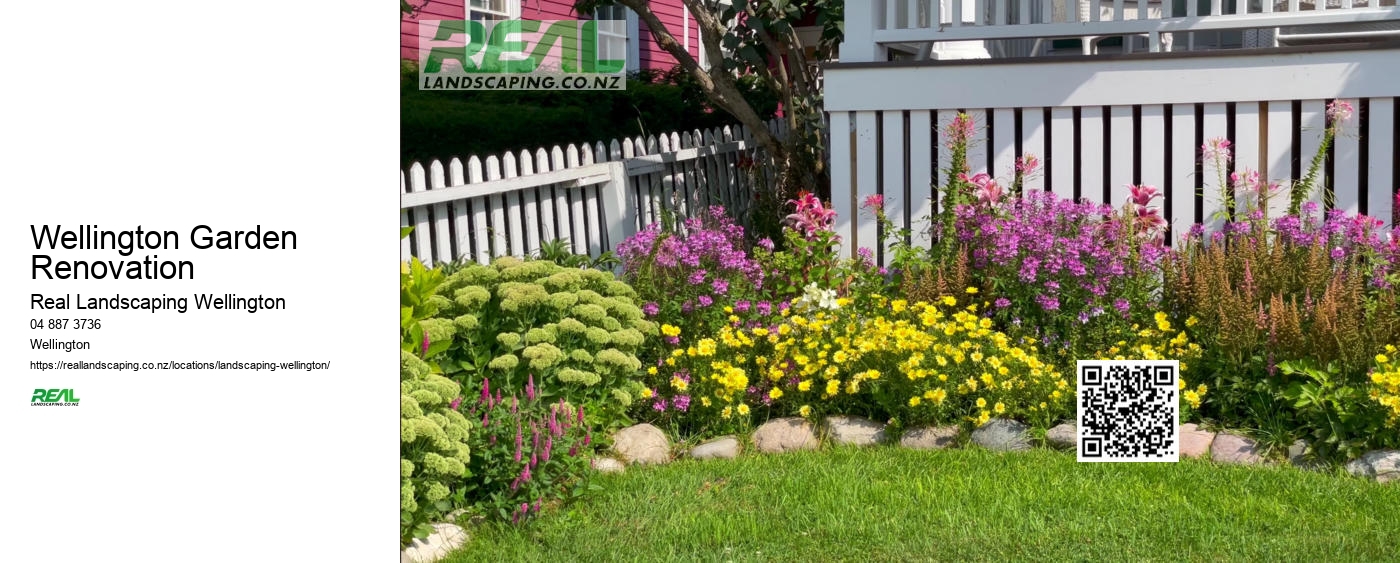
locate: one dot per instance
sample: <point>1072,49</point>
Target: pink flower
<point>425,343</point>
<point>1142,195</point>
<point>1217,148</point>
<point>987,190</point>
<point>874,202</point>
<point>1027,164</point>
<point>810,216</point>
<point>1339,111</point>
<point>960,130</point>
<point>530,387</point>
<point>456,402</point>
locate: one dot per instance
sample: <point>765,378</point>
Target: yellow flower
<point>914,401</point>
<point>679,384</point>
<point>981,403</point>
<point>775,393</point>
<point>743,409</point>
<point>727,412</point>
<point>971,291</point>
<point>668,330</point>
<point>671,361</point>
<point>1191,321</point>
<point>999,408</point>
<point>1381,359</point>
<point>833,386</point>
<point>853,387</point>
<point>1180,383</point>
<point>705,401</point>
<point>804,385</point>
<point>950,301</point>
<point>1193,399</point>
<point>805,411</point>
<point>646,393</point>
<point>651,370</point>
<point>983,418</point>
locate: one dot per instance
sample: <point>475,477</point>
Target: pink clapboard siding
<point>651,56</point>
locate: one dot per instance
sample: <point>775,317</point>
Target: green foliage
<point>1334,413</point>
<point>559,252</point>
<point>432,121</point>
<point>527,453</point>
<point>576,331</point>
<point>433,450</point>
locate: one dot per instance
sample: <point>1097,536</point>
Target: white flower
<point>821,298</point>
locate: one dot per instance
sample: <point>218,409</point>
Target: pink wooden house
<point>642,51</point>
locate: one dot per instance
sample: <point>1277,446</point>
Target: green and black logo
<point>54,398</point>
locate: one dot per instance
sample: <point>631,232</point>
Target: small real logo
<point>515,54</point>
<point>54,398</point>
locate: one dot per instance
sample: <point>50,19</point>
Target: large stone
<point>444,539</point>
<point>720,448</point>
<point>1229,447</point>
<point>930,437</point>
<point>643,443</point>
<point>1297,455</point>
<point>1063,436</point>
<point>1003,435</point>
<point>854,430</point>
<point>1194,441</point>
<point>785,434</point>
<point>608,465</point>
<point>1381,465</point>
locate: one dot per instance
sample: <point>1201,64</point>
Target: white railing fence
<point>873,27</point>
<point>593,196</point>
<point>1099,125</point>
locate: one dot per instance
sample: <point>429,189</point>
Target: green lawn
<point>890,504</point>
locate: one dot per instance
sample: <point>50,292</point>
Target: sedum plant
<point>574,332</point>
<point>433,451</point>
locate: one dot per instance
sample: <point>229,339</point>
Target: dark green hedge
<point>444,124</point>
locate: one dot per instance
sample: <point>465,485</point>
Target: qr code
<point>1128,410</point>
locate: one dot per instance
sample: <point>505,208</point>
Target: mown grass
<point>889,504</point>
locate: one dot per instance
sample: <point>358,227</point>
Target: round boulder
<point>1003,435</point>
<point>643,443</point>
<point>785,434</point>
<point>854,430</point>
<point>930,438</point>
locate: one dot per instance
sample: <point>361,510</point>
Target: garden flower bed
<point>1285,329</point>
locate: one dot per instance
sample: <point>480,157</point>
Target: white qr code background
<point>1128,410</point>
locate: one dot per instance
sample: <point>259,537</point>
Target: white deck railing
<point>875,27</point>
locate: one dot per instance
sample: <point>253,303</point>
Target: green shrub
<point>433,453</point>
<point>433,449</point>
<point>577,331</point>
<point>527,453</point>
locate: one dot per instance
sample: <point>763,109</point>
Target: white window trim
<point>512,10</point>
<point>634,62</point>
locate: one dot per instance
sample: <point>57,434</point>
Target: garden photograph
<point>822,285</point>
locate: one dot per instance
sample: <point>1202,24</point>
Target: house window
<point>492,10</point>
<point>617,35</point>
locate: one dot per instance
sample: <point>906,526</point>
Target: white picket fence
<point>592,195</point>
<point>1099,124</point>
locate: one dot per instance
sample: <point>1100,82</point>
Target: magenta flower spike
<point>530,387</point>
<point>425,344</point>
<point>486,390</point>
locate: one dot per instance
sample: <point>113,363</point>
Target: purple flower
<point>720,286</point>
<point>742,306</point>
<point>1002,303</point>
<point>681,402</point>
<point>765,243</point>
<point>697,277</point>
<point>705,301</point>
<point>1121,304</point>
<point>765,308</point>
<point>651,309</point>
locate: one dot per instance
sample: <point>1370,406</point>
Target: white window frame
<point>512,10</point>
<point>632,38</point>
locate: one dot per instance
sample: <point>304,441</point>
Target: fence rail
<point>873,28</point>
<point>592,195</point>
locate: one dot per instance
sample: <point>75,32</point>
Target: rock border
<point>786,434</point>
